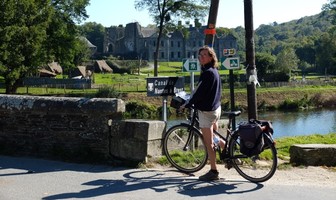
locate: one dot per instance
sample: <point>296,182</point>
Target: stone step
<point>313,154</point>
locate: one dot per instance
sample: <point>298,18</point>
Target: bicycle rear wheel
<point>184,148</point>
<point>257,168</point>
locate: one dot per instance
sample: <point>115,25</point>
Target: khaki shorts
<point>208,118</point>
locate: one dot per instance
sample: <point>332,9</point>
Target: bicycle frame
<point>194,121</point>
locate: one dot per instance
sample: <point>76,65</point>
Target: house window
<point>162,55</point>
<point>178,54</point>
<point>178,44</point>
<point>162,44</point>
<point>172,43</point>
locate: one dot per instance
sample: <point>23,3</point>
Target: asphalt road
<point>32,179</point>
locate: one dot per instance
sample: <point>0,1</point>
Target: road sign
<point>230,62</point>
<point>191,65</point>
<point>229,52</point>
<point>164,86</point>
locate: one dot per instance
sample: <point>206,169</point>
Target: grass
<point>283,145</point>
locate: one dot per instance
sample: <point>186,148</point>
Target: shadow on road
<point>131,180</point>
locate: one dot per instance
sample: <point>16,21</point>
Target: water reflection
<point>321,121</point>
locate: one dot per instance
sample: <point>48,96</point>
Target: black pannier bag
<point>251,139</point>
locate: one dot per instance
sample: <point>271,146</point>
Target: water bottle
<point>216,141</point>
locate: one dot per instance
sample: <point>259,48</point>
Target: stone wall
<point>75,129</point>
<point>313,154</point>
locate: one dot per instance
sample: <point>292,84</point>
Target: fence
<point>57,83</point>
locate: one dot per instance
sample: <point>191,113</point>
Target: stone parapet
<point>57,127</point>
<point>136,140</point>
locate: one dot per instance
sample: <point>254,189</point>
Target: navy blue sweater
<point>207,95</point>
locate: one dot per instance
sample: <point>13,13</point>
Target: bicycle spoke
<point>256,168</point>
<point>187,154</point>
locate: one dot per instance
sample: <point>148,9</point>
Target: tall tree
<point>95,33</point>
<point>286,61</point>
<point>23,32</point>
<point>63,32</point>
<point>34,32</point>
<point>325,53</point>
<point>265,64</point>
<point>165,13</point>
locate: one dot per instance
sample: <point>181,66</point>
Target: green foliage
<point>33,33</point>
<point>289,104</point>
<point>286,60</point>
<point>107,92</point>
<point>22,30</point>
<point>140,110</point>
<point>166,14</point>
<point>94,33</point>
<point>265,63</point>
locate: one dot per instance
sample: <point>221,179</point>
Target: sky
<point>230,12</point>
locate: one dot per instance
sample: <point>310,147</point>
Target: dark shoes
<point>209,176</point>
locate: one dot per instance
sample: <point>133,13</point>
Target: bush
<point>140,110</point>
<point>107,92</point>
<point>295,104</point>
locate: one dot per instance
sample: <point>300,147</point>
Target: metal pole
<point>250,60</point>
<point>164,108</point>
<point>232,99</point>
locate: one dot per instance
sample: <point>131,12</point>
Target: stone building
<point>136,42</point>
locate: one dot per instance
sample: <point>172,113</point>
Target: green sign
<point>230,63</point>
<point>191,65</point>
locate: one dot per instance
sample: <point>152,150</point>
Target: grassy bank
<point>283,145</point>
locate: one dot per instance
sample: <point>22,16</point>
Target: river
<point>307,122</point>
<point>287,124</point>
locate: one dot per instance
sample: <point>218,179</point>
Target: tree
<point>23,32</point>
<point>34,33</point>
<point>325,53</point>
<point>165,13</point>
<point>63,34</point>
<point>95,34</point>
<point>264,64</point>
<point>286,61</point>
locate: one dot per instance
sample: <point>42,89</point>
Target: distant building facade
<point>136,42</point>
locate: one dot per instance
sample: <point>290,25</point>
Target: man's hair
<point>212,53</point>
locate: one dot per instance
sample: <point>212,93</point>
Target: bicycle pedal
<point>228,164</point>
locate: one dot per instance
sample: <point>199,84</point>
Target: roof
<point>82,70</point>
<point>55,67</point>
<point>103,66</point>
<point>46,73</point>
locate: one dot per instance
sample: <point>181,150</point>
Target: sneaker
<point>209,176</point>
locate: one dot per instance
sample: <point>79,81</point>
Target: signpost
<point>231,63</point>
<point>164,86</point>
<point>191,65</point>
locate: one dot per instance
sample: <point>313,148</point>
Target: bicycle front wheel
<point>184,148</point>
<point>256,168</point>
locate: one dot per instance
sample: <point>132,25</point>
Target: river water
<point>288,124</point>
<point>321,121</point>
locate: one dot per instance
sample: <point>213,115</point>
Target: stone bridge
<point>76,129</point>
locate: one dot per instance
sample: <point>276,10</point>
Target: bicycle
<point>184,148</point>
